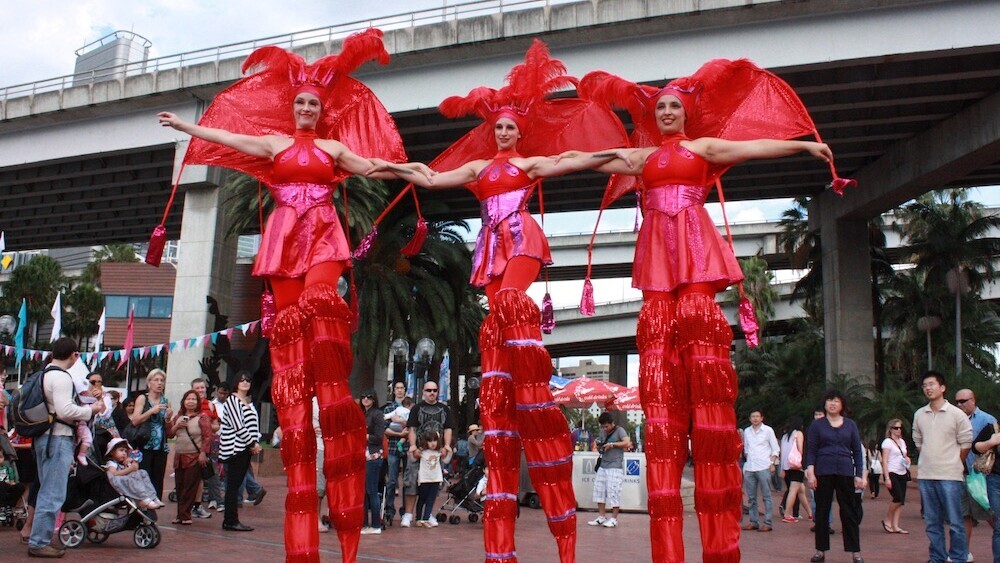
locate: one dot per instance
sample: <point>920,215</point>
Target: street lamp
<point>399,353</point>
<point>472,385</point>
<point>422,361</point>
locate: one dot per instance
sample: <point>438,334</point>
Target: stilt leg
<point>542,426</point>
<point>343,426</point>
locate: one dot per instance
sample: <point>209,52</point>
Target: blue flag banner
<point>22,326</point>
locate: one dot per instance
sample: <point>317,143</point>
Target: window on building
<point>145,307</point>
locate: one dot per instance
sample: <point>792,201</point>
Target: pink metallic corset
<point>495,210</point>
<point>302,196</point>
<point>674,198</point>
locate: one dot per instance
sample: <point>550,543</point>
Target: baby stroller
<point>102,510</point>
<point>461,492</point>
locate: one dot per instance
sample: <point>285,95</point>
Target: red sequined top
<point>678,243</point>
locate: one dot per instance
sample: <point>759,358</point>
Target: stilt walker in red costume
<point>502,163</point>
<point>688,134</point>
<point>300,151</point>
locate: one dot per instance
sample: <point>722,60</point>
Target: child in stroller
<point>11,492</point>
<point>102,509</point>
<point>463,492</point>
<point>127,478</point>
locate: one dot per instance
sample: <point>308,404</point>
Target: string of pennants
<point>139,352</point>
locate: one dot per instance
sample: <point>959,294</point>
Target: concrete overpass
<point>904,112</point>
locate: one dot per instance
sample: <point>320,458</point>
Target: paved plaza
<point>205,540</point>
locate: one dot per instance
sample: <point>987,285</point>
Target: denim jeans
<point>993,492</point>
<point>396,462</point>
<point>752,481</point>
<point>53,475</point>
<point>942,502</point>
<point>372,499</point>
<point>426,495</point>
<point>249,486</point>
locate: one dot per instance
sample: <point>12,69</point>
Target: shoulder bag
<point>794,455</point>
<point>138,436</point>
<point>984,461</point>
<point>207,470</point>
<point>906,463</point>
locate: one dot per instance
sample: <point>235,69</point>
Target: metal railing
<point>408,20</point>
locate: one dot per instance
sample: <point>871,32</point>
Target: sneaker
<point>432,522</point>
<point>370,531</point>
<point>599,521</point>
<point>47,551</point>
<point>212,505</point>
<point>200,512</point>
<point>323,528</point>
<point>406,520</point>
<point>765,528</point>
<point>259,498</point>
<point>220,508</point>
<point>968,557</point>
<point>790,520</point>
<point>610,523</point>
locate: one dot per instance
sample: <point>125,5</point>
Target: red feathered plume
<point>478,101</point>
<point>537,76</point>
<point>615,91</point>
<point>359,49</point>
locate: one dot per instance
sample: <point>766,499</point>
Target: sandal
<point>886,527</point>
<point>901,531</point>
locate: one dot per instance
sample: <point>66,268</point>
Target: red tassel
<point>354,307</point>
<point>419,235</point>
<point>268,312</point>
<point>154,254</point>
<point>548,314</point>
<point>587,301</point>
<point>365,246</point>
<point>748,322</point>
<point>838,185</point>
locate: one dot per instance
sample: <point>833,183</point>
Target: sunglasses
<point>895,428</point>
<point>247,379</point>
<point>962,401</point>
<point>431,390</point>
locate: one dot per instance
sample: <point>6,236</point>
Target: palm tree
<point>117,252</point>
<point>949,238</point>
<point>38,281</point>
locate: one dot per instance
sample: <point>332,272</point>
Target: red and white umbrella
<point>626,400</point>
<point>583,392</point>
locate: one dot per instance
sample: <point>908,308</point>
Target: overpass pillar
<point>206,260</point>
<point>618,369</point>
<point>847,298</point>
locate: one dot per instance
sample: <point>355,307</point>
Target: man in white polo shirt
<point>943,434</point>
<point>760,447</point>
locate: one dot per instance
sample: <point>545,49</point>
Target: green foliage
<point>757,279</point>
<point>117,253</point>
<point>83,305</point>
<point>38,281</point>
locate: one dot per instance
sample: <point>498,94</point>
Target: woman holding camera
<point>192,430</point>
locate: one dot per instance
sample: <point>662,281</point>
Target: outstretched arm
<point>249,144</point>
<point>427,178</point>
<point>625,161</point>
<point>721,151</point>
<point>572,161</point>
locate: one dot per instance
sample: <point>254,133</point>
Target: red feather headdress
<point>260,104</point>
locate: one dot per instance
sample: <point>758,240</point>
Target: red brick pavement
<point>205,541</point>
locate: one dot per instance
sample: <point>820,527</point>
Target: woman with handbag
<point>192,430</point>
<point>791,465</point>
<point>985,446</point>
<point>153,408</point>
<point>895,474</point>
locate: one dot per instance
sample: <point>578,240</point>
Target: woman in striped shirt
<point>240,439</point>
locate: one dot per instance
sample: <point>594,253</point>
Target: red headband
<point>512,114</point>
<point>685,95</point>
<point>310,88</point>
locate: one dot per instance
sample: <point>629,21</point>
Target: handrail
<point>408,20</point>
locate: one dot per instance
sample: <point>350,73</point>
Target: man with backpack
<point>54,447</point>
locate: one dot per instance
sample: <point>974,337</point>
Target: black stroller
<point>461,493</point>
<point>102,510</point>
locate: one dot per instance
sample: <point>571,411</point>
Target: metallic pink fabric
<point>678,243</point>
<point>304,230</point>
<point>508,230</point>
